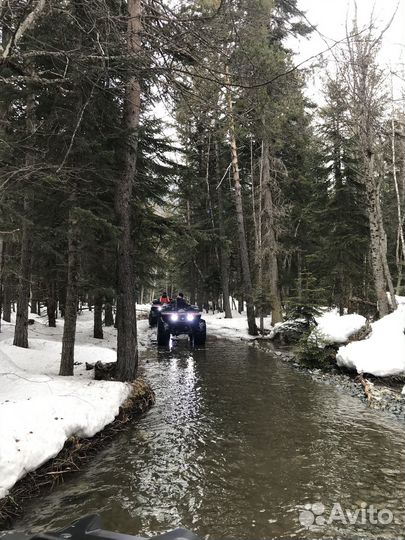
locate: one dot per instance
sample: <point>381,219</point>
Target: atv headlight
<point>190,317</point>
<point>159,308</point>
<point>174,317</point>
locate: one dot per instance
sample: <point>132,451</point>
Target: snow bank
<point>333,328</point>
<point>235,328</point>
<point>383,353</point>
<point>39,410</point>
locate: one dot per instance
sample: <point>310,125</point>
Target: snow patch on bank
<point>383,353</point>
<point>235,328</point>
<point>333,328</point>
<point>39,410</point>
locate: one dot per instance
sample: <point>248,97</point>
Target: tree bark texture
<point>24,286</point>
<point>98,317</point>
<point>223,252</point>
<point>108,314</point>
<point>247,280</point>
<point>72,294</point>
<point>269,241</point>
<point>127,348</point>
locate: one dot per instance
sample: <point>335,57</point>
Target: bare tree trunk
<point>127,348</point>
<point>34,300</point>
<point>247,280</point>
<point>252,177</point>
<point>7,282</point>
<point>72,294</point>
<point>51,304</point>
<point>299,275</point>
<point>7,298</point>
<point>364,95</point>
<point>108,314</point>
<point>98,317</point>
<point>269,242</point>
<point>2,254</point>
<point>375,247</point>
<point>21,324</point>
<point>400,227</point>
<point>223,252</point>
<point>259,246</point>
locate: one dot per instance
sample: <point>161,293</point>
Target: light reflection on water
<point>236,444</point>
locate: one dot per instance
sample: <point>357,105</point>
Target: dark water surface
<point>236,445</point>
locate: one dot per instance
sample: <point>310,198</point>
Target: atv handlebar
<point>90,528</point>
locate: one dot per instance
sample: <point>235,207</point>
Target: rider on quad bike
<point>156,308</point>
<point>179,317</point>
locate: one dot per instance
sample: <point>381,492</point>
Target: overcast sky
<point>330,16</point>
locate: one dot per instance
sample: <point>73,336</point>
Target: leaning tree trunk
<point>72,294</point>
<point>244,255</point>
<point>127,348</point>
<point>21,323</point>
<point>269,242</point>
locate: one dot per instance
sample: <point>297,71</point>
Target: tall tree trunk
<point>400,229</point>
<point>7,299</point>
<point>2,255</point>
<point>299,275</point>
<point>247,280</point>
<point>223,252</point>
<point>108,314</point>
<point>376,243</point>
<point>98,317</point>
<point>21,324</point>
<point>51,304</point>
<point>269,242</point>
<point>127,348</point>
<point>62,297</point>
<point>72,294</point>
<point>34,300</point>
<point>24,285</point>
<point>8,282</point>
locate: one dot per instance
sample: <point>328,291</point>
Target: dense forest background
<point>261,195</point>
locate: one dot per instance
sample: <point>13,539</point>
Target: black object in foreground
<point>89,528</point>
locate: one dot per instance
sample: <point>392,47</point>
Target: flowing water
<point>236,446</point>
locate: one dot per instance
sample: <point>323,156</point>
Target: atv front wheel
<point>163,335</point>
<point>200,334</point>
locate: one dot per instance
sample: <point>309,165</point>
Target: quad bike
<point>174,322</point>
<point>155,312</point>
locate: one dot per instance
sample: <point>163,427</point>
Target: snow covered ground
<point>235,328</point>
<point>383,352</point>
<point>39,410</point>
